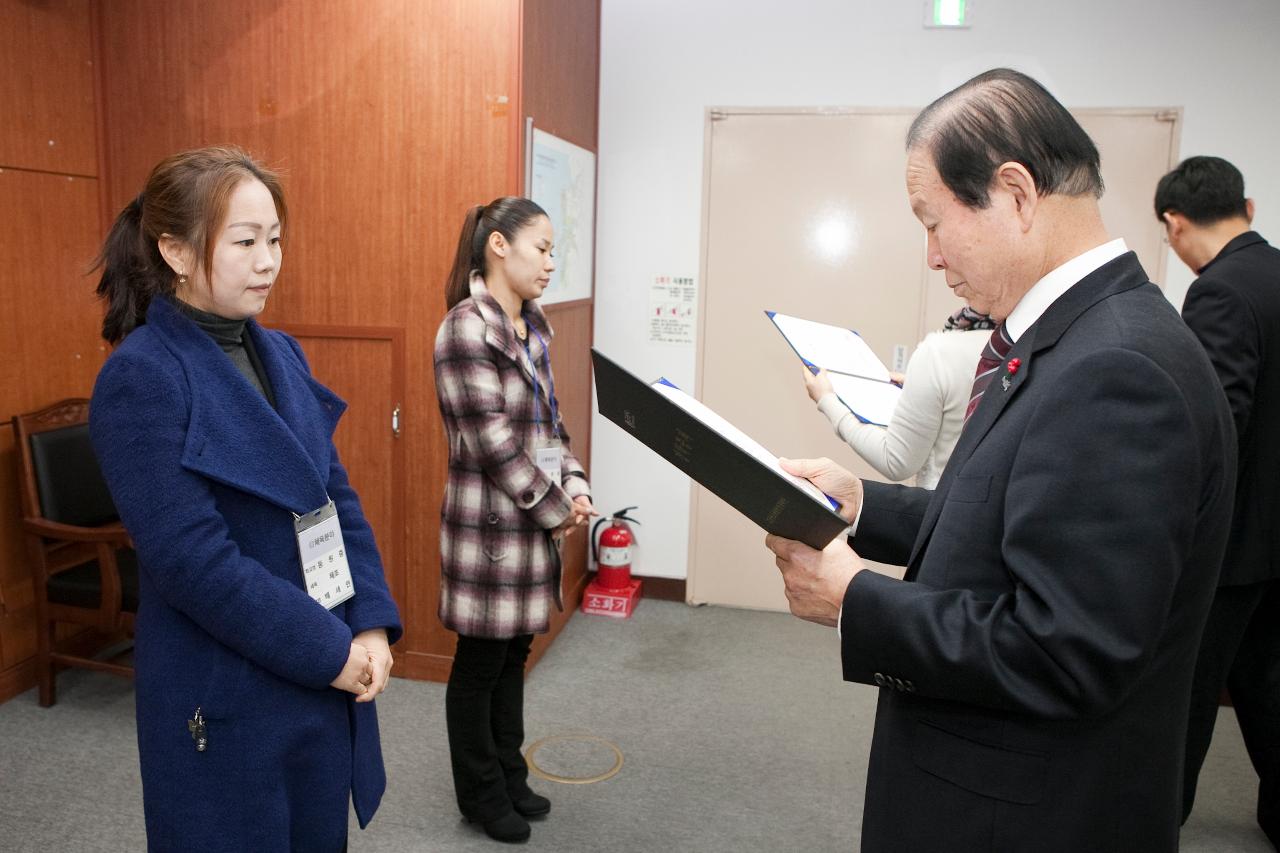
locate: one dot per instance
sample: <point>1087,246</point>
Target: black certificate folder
<point>707,449</point>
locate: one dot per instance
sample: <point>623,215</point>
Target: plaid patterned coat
<point>499,569</point>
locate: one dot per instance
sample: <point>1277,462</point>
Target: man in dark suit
<point>1234,309</point>
<point>1035,662</point>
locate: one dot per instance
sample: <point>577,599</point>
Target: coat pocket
<point>556,558</point>
<point>1013,776</point>
<point>495,540</point>
<point>970,490</point>
<point>220,697</point>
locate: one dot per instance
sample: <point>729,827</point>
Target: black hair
<point>506,215</point>
<point>1203,189</point>
<point>1005,116</point>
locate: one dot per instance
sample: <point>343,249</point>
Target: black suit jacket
<point>1234,309</point>
<point>1036,662</point>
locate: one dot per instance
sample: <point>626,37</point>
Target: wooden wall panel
<point>50,322</point>
<point>562,68</point>
<point>49,232</point>
<point>17,619</point>
<point>571,362</point>
<point>381,116</point>
<point>560,87</point>
<point>365,367</point>
<point>50,348</point>
<point>46,87</point>
<point>388,120</point>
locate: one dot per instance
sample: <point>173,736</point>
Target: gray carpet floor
<point>736,730</point>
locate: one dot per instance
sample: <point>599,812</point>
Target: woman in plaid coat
<point>514,490</point>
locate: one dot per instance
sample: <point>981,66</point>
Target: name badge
<point>325,571</point>
<point>548,453</point>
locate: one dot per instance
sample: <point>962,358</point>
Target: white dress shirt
<point>1057,282</point>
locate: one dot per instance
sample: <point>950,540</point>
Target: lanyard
<point>537,403</point>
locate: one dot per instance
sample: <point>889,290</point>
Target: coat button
<point>527,497</point>
<point>880,679</point>
<point>493,518</point>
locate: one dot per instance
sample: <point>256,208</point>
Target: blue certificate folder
<point>859,379</point>
<point>707,451</point>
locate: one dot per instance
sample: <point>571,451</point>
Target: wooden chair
<point>84,569</point>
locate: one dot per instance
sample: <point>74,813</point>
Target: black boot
<point>509,829</point>
<point>532,805</point>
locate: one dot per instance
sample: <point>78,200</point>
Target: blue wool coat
<point>207,476</point>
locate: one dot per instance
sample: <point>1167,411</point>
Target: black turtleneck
<point>229,335</point>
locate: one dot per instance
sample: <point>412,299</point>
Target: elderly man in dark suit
<point>1234,309</point>
<point>1035,662</point>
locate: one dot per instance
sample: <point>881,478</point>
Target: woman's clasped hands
<point>579,516</point>
<point>368,666</point>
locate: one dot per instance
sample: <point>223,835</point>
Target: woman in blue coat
<point>254,691</point>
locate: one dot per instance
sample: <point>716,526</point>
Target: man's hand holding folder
<point>815,580</point>
<point>831,480</point>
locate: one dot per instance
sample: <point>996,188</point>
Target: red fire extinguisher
<point>613,550</point>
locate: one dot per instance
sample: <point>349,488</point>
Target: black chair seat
<point>81,586</point>
<point>60,481</point>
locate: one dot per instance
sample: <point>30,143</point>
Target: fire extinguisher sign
<point>615,556</point>
<point>606,605</point>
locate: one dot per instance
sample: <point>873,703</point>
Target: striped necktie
<point>993,355</point>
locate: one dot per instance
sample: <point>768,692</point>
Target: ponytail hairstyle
<point>186,197</point>
<point>506,215</point>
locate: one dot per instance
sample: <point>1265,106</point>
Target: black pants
<point>484,710</point>
<point>1241,650</point>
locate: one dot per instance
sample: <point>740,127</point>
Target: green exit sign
<point>947,13</point>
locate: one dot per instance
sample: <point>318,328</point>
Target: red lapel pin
<point>1012,368</point>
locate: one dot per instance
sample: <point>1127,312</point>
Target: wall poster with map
<point>562,179</point>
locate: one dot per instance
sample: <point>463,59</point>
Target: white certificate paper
<point>737,436</point>
<point>858,377</point>
<point>836,349</point>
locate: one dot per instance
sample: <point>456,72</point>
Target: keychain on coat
<point>198,732</point>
